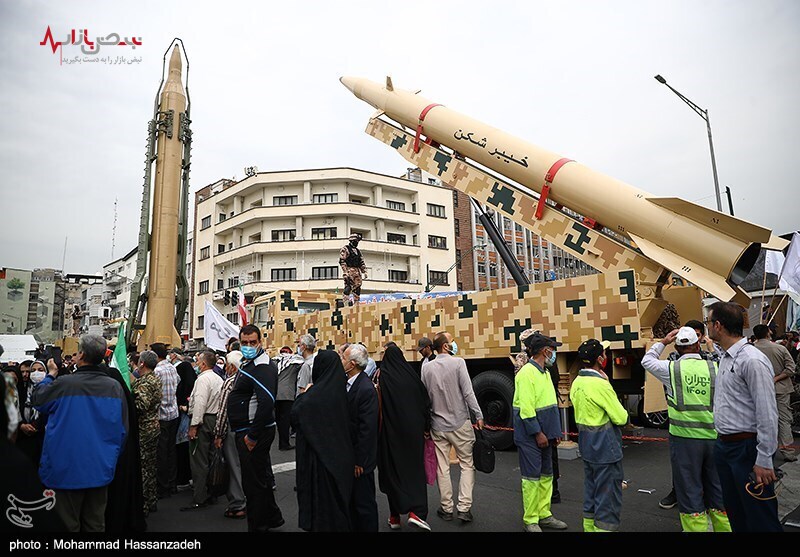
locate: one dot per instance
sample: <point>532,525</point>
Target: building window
<point>283,235</point>
<point>517,227</point>
<point>202,288</point>
<point>323,273</point>
<point>458,258</point>
<point>413,207</point>
<point>437,277</point>
<point>438,242</point>
<point>414,240</point>
<point>220,284</point>
<point>455,201</point>
<point>205,223</point>
<point>325,198</point>
<point>279,200</point>
<point>398,276</point>
<point>233,282</point>
<point>256,203</point>
<point>492,270</point>
<point>436,210</point>
<point>255,238</point>
<point>220,248</point>
<point>396,205</point>
<point>481,268</point>
<point>233,317</point>
<point>205,252</point>
<point>222,217</point>
<point>200,321</point>
<point>457,227</point>
<point>256,276</point>
<point>520,249</point>
<point>395,238</point>
<point>283,274</point>
<point>323,233</point>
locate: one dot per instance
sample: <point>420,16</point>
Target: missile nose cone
<point>349,82</point>
<point>175,62</point>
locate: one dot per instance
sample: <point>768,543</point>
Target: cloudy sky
<point>574,77</point>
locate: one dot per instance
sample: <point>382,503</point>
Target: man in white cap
<point>353,267</point>
<point>690,395</point>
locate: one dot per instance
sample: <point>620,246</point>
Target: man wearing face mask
<point>353,267</point>
<point>537,426</point>
<point>452,399</point>
<point>306,345</point>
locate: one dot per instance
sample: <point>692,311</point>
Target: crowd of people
<point>111,446</point>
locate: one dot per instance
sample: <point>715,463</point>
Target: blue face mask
<point>300,350</point>
<point>196,370</point>
<point>249,352</point>
<point>453,348</point>
<point>552,359</point>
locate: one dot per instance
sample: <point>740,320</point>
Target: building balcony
<point>330,285</point>
<point>342,208</point>
<point>368,247</point>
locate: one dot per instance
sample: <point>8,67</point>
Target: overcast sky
<point>573,77</point>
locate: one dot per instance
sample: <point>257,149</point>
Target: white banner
<point>774,261</point>
<point>217,329</point>
<point>790,277</point>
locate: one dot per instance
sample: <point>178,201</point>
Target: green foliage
<point>15,284</point>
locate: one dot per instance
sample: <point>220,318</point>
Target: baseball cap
<point>424,342</point>
<point>537,341</point>
<point>686,337</point>
<point>590,350</point>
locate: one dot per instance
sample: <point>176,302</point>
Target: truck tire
<point>495,393</point>
<point>656,420</point>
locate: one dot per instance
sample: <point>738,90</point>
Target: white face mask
<point>37,376</point>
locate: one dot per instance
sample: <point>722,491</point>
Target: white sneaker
<point>552,523</point>
<point>414,520</point>
<point>531,528</point>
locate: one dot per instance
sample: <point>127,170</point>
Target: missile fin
<point>727,224</point>
<point>694,273</point>
<point>776,243</point>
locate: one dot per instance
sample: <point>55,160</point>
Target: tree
<point>15,284</point>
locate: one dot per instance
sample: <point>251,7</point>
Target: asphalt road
<point>497,505</point>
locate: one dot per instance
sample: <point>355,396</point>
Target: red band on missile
<point>548,179</point>
<point>419,126</point>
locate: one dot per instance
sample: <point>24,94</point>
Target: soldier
<point>353,267</point>
<point>147,396</point>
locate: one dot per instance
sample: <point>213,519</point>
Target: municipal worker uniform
<point>690,394</point>
<point>598,414</point>
<point>535,410</point>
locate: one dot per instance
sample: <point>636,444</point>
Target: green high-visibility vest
<point>691,412</point>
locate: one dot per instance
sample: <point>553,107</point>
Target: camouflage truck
<point>487,326</point>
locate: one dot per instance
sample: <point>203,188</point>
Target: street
<point>497,498</point>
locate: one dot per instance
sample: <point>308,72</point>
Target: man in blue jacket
<point>86,427</point>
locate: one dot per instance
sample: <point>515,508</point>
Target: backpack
<point>483,453</point>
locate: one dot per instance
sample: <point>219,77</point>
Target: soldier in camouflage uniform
<point>147,396</point>
<point>353,267</point>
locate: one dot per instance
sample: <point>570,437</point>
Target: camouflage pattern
<point>486,324</point>
<point>147,397</point>
<point>569,233</point>
<point>352,285</point>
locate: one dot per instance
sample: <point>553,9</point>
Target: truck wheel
<point>495,393</point>
<point>656,420</point>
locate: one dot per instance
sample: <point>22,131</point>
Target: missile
<point>164,248</point>
<point>713,250</point>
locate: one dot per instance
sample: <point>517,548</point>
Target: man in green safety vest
<point>537,426</point>
<point>598,414</point>
<point>690,395</point>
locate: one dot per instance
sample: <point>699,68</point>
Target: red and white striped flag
<point>242,307</point>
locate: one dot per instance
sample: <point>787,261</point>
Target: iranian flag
<point>242,308</point>
<point>119,360</point>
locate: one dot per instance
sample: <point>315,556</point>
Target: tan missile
<point>710,249</point>
<point>160,326</point>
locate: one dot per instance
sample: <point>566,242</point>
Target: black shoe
<point>669,501</point>
<point>556,498</point>
<point>287,448</point>
<point>464,517</point>
<point>278,524</point>
<point>447,517</point>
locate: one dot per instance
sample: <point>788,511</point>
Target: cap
<point>686,337</point>
<point>589,350</point>
<point>537,341</point>
<point>286,349</point>
<point>424,342</point>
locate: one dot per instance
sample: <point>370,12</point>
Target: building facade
<point>32,302</point>
<point>284,230</point>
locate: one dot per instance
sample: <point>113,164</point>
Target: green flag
<point>119,360</point>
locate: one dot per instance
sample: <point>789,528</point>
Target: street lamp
<point>429,286</point>
<point>703,113</point>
